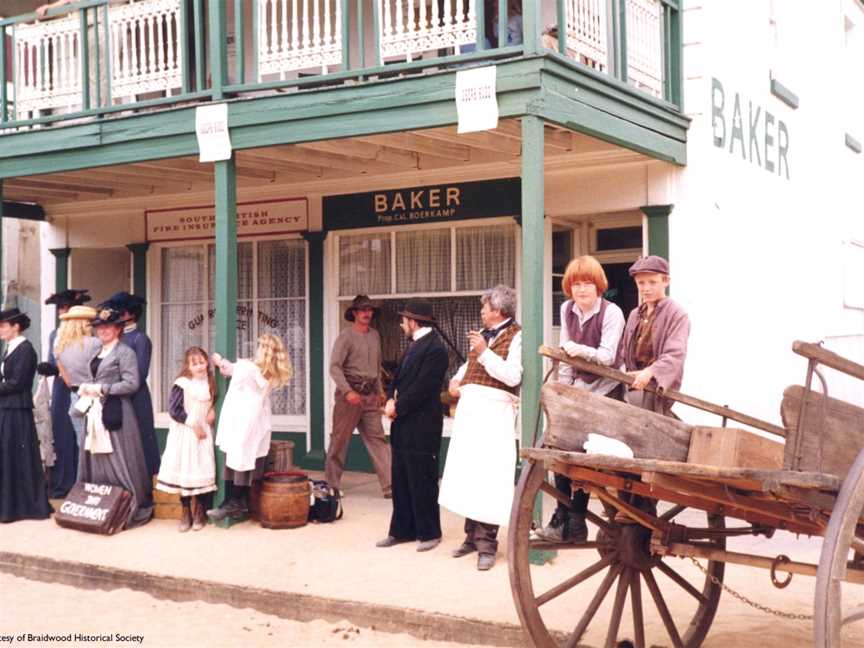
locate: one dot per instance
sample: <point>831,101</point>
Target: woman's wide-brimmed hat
<point>651,263</point>
<point>419,309</point>
<point>108,316</point>
<point>15,316</point>
<point>123,301</point>
<point>79,313</point>
<point>359,302</point>
<point>70,297</point>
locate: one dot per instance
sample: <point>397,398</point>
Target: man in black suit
<point>414,405</point>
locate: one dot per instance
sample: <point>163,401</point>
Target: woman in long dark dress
<point>22,485</point>
<point>131,307</point>
<point>66,440</point>
<point>114,372</point>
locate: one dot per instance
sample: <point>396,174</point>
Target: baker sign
<point>476,100</point>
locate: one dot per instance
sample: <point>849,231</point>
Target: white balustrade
<point>587,32</point>
<point>411,27</point>
<point>645,45</point>
<point>146,55</point>
<point>47,66</point>
<point>298,35</point>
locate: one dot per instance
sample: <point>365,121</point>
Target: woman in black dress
<point>22,485</point>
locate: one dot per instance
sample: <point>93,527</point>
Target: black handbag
<point>112,413</point>
<point>326,503</point>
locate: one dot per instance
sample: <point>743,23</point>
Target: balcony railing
<point>91,59</point>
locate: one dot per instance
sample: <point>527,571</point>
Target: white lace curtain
<point>271,294</point>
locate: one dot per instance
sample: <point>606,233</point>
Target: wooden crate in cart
<point>812,484</point>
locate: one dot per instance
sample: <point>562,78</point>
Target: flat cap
<point>651,263</point>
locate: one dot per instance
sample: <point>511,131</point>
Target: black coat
<point>417,385</point>
<point>19,370</point>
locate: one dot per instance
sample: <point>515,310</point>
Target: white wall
<point>756,256</point>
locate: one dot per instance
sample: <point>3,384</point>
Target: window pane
<point>287,319</point>
<point>423,261</point>
<point>562,249</point>
<point>619,238</point>
<point>485,257</point>
<point>558,298</point>
<point>245,329</point>
<point>183,274</point>
<point>282,269</point>
<point>364,264</point>
<point>183,326</point>
<point>244,270</point>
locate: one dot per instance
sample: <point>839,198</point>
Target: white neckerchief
<point>419,333</point>
<point>107,348</point>
<point>130,327</point>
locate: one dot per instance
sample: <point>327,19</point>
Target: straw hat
<point>79,312</point>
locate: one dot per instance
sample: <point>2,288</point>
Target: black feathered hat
<point>108,316</point>
<point>15,316</point>
<point>70,297</point>
<point>123,301</point>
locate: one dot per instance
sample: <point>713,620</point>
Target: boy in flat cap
<point>355,367</point>
<point>64,472</point>
<point>654,345</point>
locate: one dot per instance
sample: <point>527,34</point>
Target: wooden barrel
<point>280,458</point>
<point>284,502</point>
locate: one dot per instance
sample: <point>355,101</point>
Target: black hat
<point>360,301</point>
<point>15,316</point>
<point>419,309</point>
<point>70,297</point>
<point>108,316</point>
<point>123,301</point>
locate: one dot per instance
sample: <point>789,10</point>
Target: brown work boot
<point>185,519</point>
<point>199,517</point>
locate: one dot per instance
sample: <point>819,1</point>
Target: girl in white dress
<point>188,465</point>
<point>243,433</point>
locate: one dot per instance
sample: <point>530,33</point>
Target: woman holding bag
<point>115,456</point>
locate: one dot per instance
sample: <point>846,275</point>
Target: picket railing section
<point>645,45</point>
<point>146,51</point>
<point>410,28</point>
<point>296,35</point>
<point>47,72</point>
<point>587,32</point>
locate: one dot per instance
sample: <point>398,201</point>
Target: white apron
<point>481,460</point>
<point>243,433</point>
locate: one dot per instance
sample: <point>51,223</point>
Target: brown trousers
<point>366,418</point>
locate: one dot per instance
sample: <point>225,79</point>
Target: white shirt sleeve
<point>508,370</point>
<point>565,371</point>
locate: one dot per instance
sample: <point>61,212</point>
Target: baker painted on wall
<point>66,442</point>
<point>488,389</point>
<point>131,307</point>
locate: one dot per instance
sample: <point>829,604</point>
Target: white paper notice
<point>211,127</point>
<point>476,101</point>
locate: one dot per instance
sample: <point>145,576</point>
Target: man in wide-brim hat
<point>355,367</point>
<point>64,472</point>
<point>415,407</point>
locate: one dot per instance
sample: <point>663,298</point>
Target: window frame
<point>281,422</point>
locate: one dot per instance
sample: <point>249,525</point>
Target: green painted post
<point>61,271</point>
<point>198,19</point>
<point>658,229</point>
<point>674,56</point>
<point>561,14</point>
<point>502,23</point>
<point>480,16</point>
<point>218,48</point>
<point>85,60</point>
<point>3,98</point>
<point>346,34</point>
<point>107,37</point>
<point>185,73</point>
<point>376,33</point>
<point>139,275</point>
<point>619,36</point>
<point>314,459</point>
<point>225,290</point>
<point>531,21</point>
<point>97,75</point>
<point>239,41</point>
<point>361,40</point>
<point>255,35</point>
<point>533,242</point>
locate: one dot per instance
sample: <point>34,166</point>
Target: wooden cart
<point>657,505</point>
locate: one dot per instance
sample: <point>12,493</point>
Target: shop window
<point>271,298</point>
<point>562,252</point>
<point>425,265</point>
<point>617,238</point>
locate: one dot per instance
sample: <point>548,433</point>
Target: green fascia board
<point>536,86</point>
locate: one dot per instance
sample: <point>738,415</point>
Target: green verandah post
<point>533,239</point>
<point>315,454</point>
<point>225,289</point>
<point>61,272</point>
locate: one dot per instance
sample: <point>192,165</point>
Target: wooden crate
<point>167,504</point>
<point>734,448</point>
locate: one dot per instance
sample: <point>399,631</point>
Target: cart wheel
<point>839,610</point>
<point>622,554</point>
